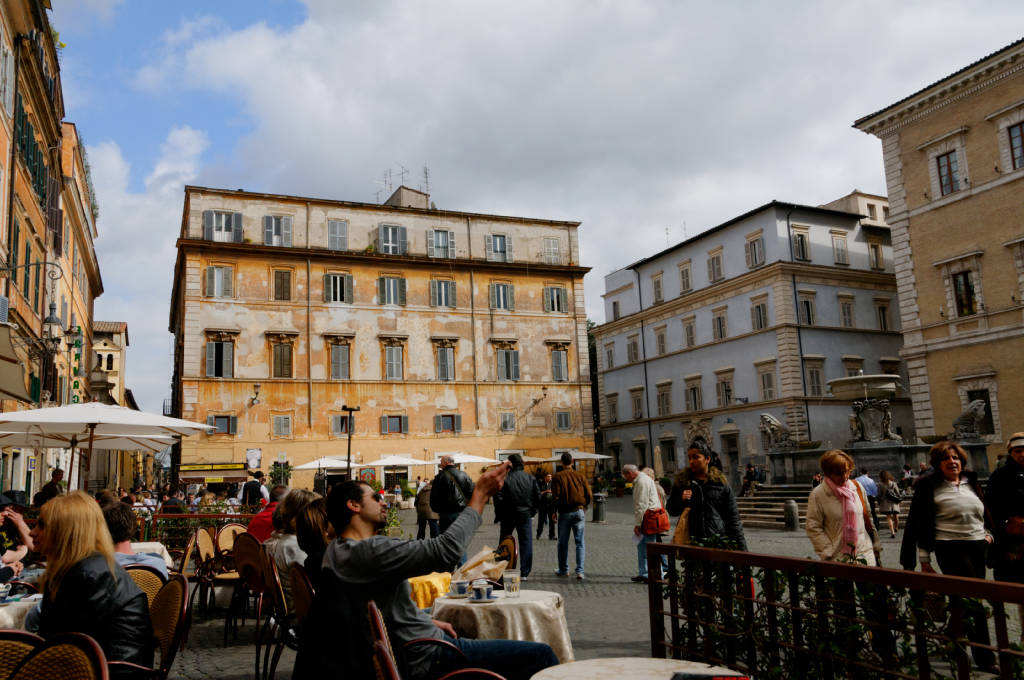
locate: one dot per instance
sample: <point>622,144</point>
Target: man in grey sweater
<point>381,567</point>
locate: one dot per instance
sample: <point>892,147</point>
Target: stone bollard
<point>599,500</point>
<point>792,516</point>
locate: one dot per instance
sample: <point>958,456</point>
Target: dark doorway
<point>731,458</point>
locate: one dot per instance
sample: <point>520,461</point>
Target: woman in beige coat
<point>835,513</point>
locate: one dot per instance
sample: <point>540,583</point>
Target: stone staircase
<point>766,509</point>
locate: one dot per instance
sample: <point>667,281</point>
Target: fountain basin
<point>878,386</point>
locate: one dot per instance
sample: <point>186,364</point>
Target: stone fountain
<point>872,444</point>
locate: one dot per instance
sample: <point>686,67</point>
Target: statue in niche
<point>968,424</point>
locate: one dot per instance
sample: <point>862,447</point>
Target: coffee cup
<point>482,591</point>
<point>459,588</point>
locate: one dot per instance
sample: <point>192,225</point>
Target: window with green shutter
<point>559,365</point>
<point>282,360</point>
<point>337,235</point>
<point>339,362</point>
<point>446,363</point>
<point>282,285</point>
<point>338,288</point>
<point>508,364</point>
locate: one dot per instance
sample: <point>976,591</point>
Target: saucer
<point>492,598</point>
<point>456,596</point>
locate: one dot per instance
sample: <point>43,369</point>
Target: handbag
<point>655,522</point>
<point>869,527</point>
<point>682,532</point>
<point>893,494</point>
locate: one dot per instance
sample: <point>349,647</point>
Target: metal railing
<point>174,529</point>
<point>779,617</point>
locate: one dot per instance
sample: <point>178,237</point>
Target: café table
<point>155,548</point>
<point>536,615</point>
<point>427,588</point>
<point>12,614</point>
<point>632,667</point>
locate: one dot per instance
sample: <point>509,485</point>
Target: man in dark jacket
<point>1005,496</point>
<point>547,508</point>
<point>450,492</point>
<point>514,506</point>
<point>571,494</point>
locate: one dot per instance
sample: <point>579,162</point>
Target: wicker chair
<point>169,614</point>
<point>15,645</point>
<point>186,559</point>
<point>226,536</point>
<point>302,591</point>
<point>147,578</point>
<point>248,554</point>
<point>384,656</point>
<point>68,656</point>
<point>278,621</point>
<point>508,549</point>
<point>210,572</point>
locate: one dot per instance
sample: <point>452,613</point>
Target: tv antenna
<point>426,179</point>
<point>404,171</point>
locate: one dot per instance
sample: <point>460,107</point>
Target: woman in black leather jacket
<point>706,492</point>
<point>84,589</point>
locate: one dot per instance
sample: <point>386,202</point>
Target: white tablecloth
<point>634,668</point>
<point>155,548</point>
<point>12,614</point>
<point>537,616</point>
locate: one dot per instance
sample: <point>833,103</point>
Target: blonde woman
<point>836,521</point>
<point>84,589</point>
<point>283,545</point>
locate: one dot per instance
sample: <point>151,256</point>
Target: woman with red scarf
<point>836,522</point>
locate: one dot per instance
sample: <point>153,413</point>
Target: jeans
<point>445,521</point>
<point>641,555</point>
<point>515,659</point>
<point>524,530</point>
<point>967,558</point>
<point>422,523</point>
<point>567,521</point>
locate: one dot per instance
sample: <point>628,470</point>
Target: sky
<point>647,121</point>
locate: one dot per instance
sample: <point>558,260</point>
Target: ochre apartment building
<point>954,165</point>
<point>451,331</point>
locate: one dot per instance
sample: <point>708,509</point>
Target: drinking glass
<point>512,581</point>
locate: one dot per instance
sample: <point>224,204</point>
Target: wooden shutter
<point>211,359</point>
<point>335,425</point>
<point>211,281</point>
<point>405,424</point>
<point>286,232</point>
<point>327,288</point>
<point>508,248</point>
<point>489,247</point>
<point>753,317</point>
<point>227,275</point>
<point>547,298</point>
<point>233,425</point>
<point>433,292</point>
<point>403,242</point>
<point>747,252</point>
<point>511,297</point>
<point>211,421</point>
<point>556,366</point>
<point>451,244</point>
<point>348,288</point>
<point>335,362</point>
<point>437,423</point>
<point>711,269</point>
<point>502,366</point>
<point>227,362</point>
<point>268,230</point>
<point>236,227</point>
<point>208,225</point>
<point>515,364</point>
<point>451,298</point>
<point>458,423</point>
<point>401,291</point>
<point>380,238</point>
<point>351,424</point>
<point>383,424</point>
<point>286,422</point>
<point>381,290</point>
<point>492,293</point>
<point>430,243</point>
<point>563,294</point>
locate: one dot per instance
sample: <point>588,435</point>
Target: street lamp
<point>53,329</point>
<point>349,410</point>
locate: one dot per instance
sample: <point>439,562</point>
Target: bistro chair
<point>384,656</point>
<point>149,579</point>
<point>508,549</point>
<point>169,615</point>
<point>186,559</point>
<point>210,571</point>
<point>248,554</point>
<point>278,621</point>
<point>226,536</point>
<point>302,591</point>
<point>68,656</point>
<point>15,645</point>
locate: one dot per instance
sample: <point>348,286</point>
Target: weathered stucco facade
<point>954,162</point>
<point>369,307</point>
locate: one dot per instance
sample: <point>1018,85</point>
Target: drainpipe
<point>12,165</point>
<point>796,306</point>
<point>309,344</point>
<point>643,355</point>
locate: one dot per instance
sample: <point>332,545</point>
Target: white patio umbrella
<point>460,458</point>
<point>579,455</point>
<point>113,442</point>
<point>397,461</point>
<point>85,422</point>
<point>327,463</point>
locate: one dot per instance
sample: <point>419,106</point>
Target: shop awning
<point>12,371</point>
<point>198,473</point>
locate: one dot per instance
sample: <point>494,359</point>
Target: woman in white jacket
<point>836,520</point>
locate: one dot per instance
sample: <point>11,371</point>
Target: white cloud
<point>136,251</point>
<point>78,11</point>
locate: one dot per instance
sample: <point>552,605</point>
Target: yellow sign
<point>214,479</point>
<point>203,467</point>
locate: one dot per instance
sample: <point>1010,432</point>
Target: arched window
<point>99,360</point>
<point>110,362</point>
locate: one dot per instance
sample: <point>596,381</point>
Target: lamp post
<point>349,410</point>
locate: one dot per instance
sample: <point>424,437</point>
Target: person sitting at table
<point>15,540</point>
<point>121,523</point>
<point>283,545</point>
<point>262,525</point>
<point>84,589</point>
<point>313,532</point>
<point>360,564</point>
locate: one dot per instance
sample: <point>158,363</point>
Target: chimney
<point>404,197</point>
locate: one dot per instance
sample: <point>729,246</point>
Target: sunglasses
<point>377,497</point>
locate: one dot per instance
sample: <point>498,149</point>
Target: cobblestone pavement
<point>606,613</point>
